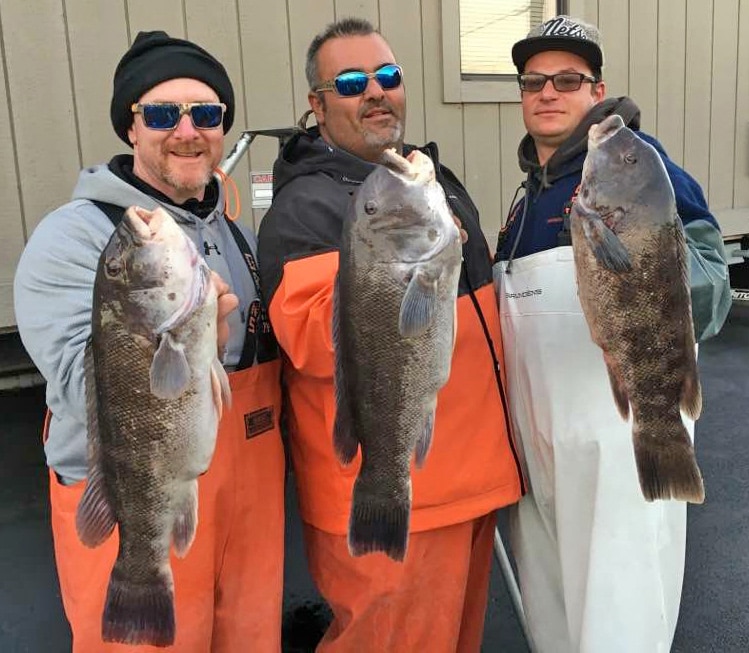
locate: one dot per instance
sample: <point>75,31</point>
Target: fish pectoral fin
<point>418,305</point>
<point>170,372</point>
<point>621,396</point>
<point>186,523</point>
<point>425,439</point>
<point>220,387</point>
<point>201,284</point>
<point>92,402</point>
<point>94,519</point>
<point>604,243</point>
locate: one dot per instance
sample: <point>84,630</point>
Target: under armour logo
<point>207,248</point>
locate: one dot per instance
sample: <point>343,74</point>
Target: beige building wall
<point>686,62</point>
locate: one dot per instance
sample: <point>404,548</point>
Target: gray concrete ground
<point>714,615</point>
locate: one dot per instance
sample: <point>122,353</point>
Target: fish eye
<point>630,158</point>
<point>370,207</point>
<point>113,267</point>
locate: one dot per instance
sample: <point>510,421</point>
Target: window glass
<point>489,28</point>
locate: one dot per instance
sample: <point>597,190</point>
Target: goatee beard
<point>393,139</point>
<point>194,188</point>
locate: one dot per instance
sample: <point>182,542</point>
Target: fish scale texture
<point>149,444</point>
<point>396,379</point>
<point>643,320</point>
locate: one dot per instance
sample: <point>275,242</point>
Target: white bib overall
<point>600,569</point>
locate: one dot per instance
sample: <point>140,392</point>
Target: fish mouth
<point>140,223</point>
<point>604,130</point>
<point>417,167</point>
<point>142,226</point>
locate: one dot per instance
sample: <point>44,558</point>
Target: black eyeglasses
<point>166,115</point>
<point>354,82</point>
<point>563,82</point>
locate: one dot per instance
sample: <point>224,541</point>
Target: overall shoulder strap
<point>259,338</point>
<point>112,211</point>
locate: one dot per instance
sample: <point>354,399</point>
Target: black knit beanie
<point>155,57</point>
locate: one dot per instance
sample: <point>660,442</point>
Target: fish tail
<point>378,521</point>
<point>666,464</point>
<point>139,613</point>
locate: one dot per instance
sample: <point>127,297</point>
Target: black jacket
<point>322,179</point>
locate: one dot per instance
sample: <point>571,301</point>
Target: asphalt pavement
<point>714,614</point>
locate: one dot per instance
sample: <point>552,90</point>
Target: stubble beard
<point>192,184</point>
<point>393,137</point>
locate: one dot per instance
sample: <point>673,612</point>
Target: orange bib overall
<point>228,589</point>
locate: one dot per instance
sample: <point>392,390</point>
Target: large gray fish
<point>633,281</point>
<point>155,390</point>
<point>394,330</point>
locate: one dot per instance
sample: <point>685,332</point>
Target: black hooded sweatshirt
<point>313,185</point>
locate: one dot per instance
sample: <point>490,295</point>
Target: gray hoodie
<point>53,292</point>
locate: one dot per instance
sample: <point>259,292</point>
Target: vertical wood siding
<point>685,62</point>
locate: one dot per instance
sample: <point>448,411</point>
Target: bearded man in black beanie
<point>172,103</point>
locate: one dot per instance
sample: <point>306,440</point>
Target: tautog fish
<point>633,280</point>
<point>394,330</point>
<point>154,389</point>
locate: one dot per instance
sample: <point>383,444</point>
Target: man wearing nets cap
<point>172,103</point>
<point>600,569</point>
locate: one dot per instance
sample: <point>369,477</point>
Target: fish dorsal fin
<point>94,520</point>
<point>345,443</point>
<point>170,371</point>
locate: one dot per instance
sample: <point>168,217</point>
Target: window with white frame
<point>477,40</point>
<point>489,28</point>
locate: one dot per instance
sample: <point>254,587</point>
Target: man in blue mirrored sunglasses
<point>358,97</point>
<point>165,116</point>
<point>172,102</point>
<point>359,108</point>
<point>354,82</point>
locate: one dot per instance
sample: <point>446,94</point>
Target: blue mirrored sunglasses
<point>354,82</point>
<point>166,115</point>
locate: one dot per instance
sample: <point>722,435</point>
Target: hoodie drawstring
<point>516,242</point>
<point>229,184</point>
